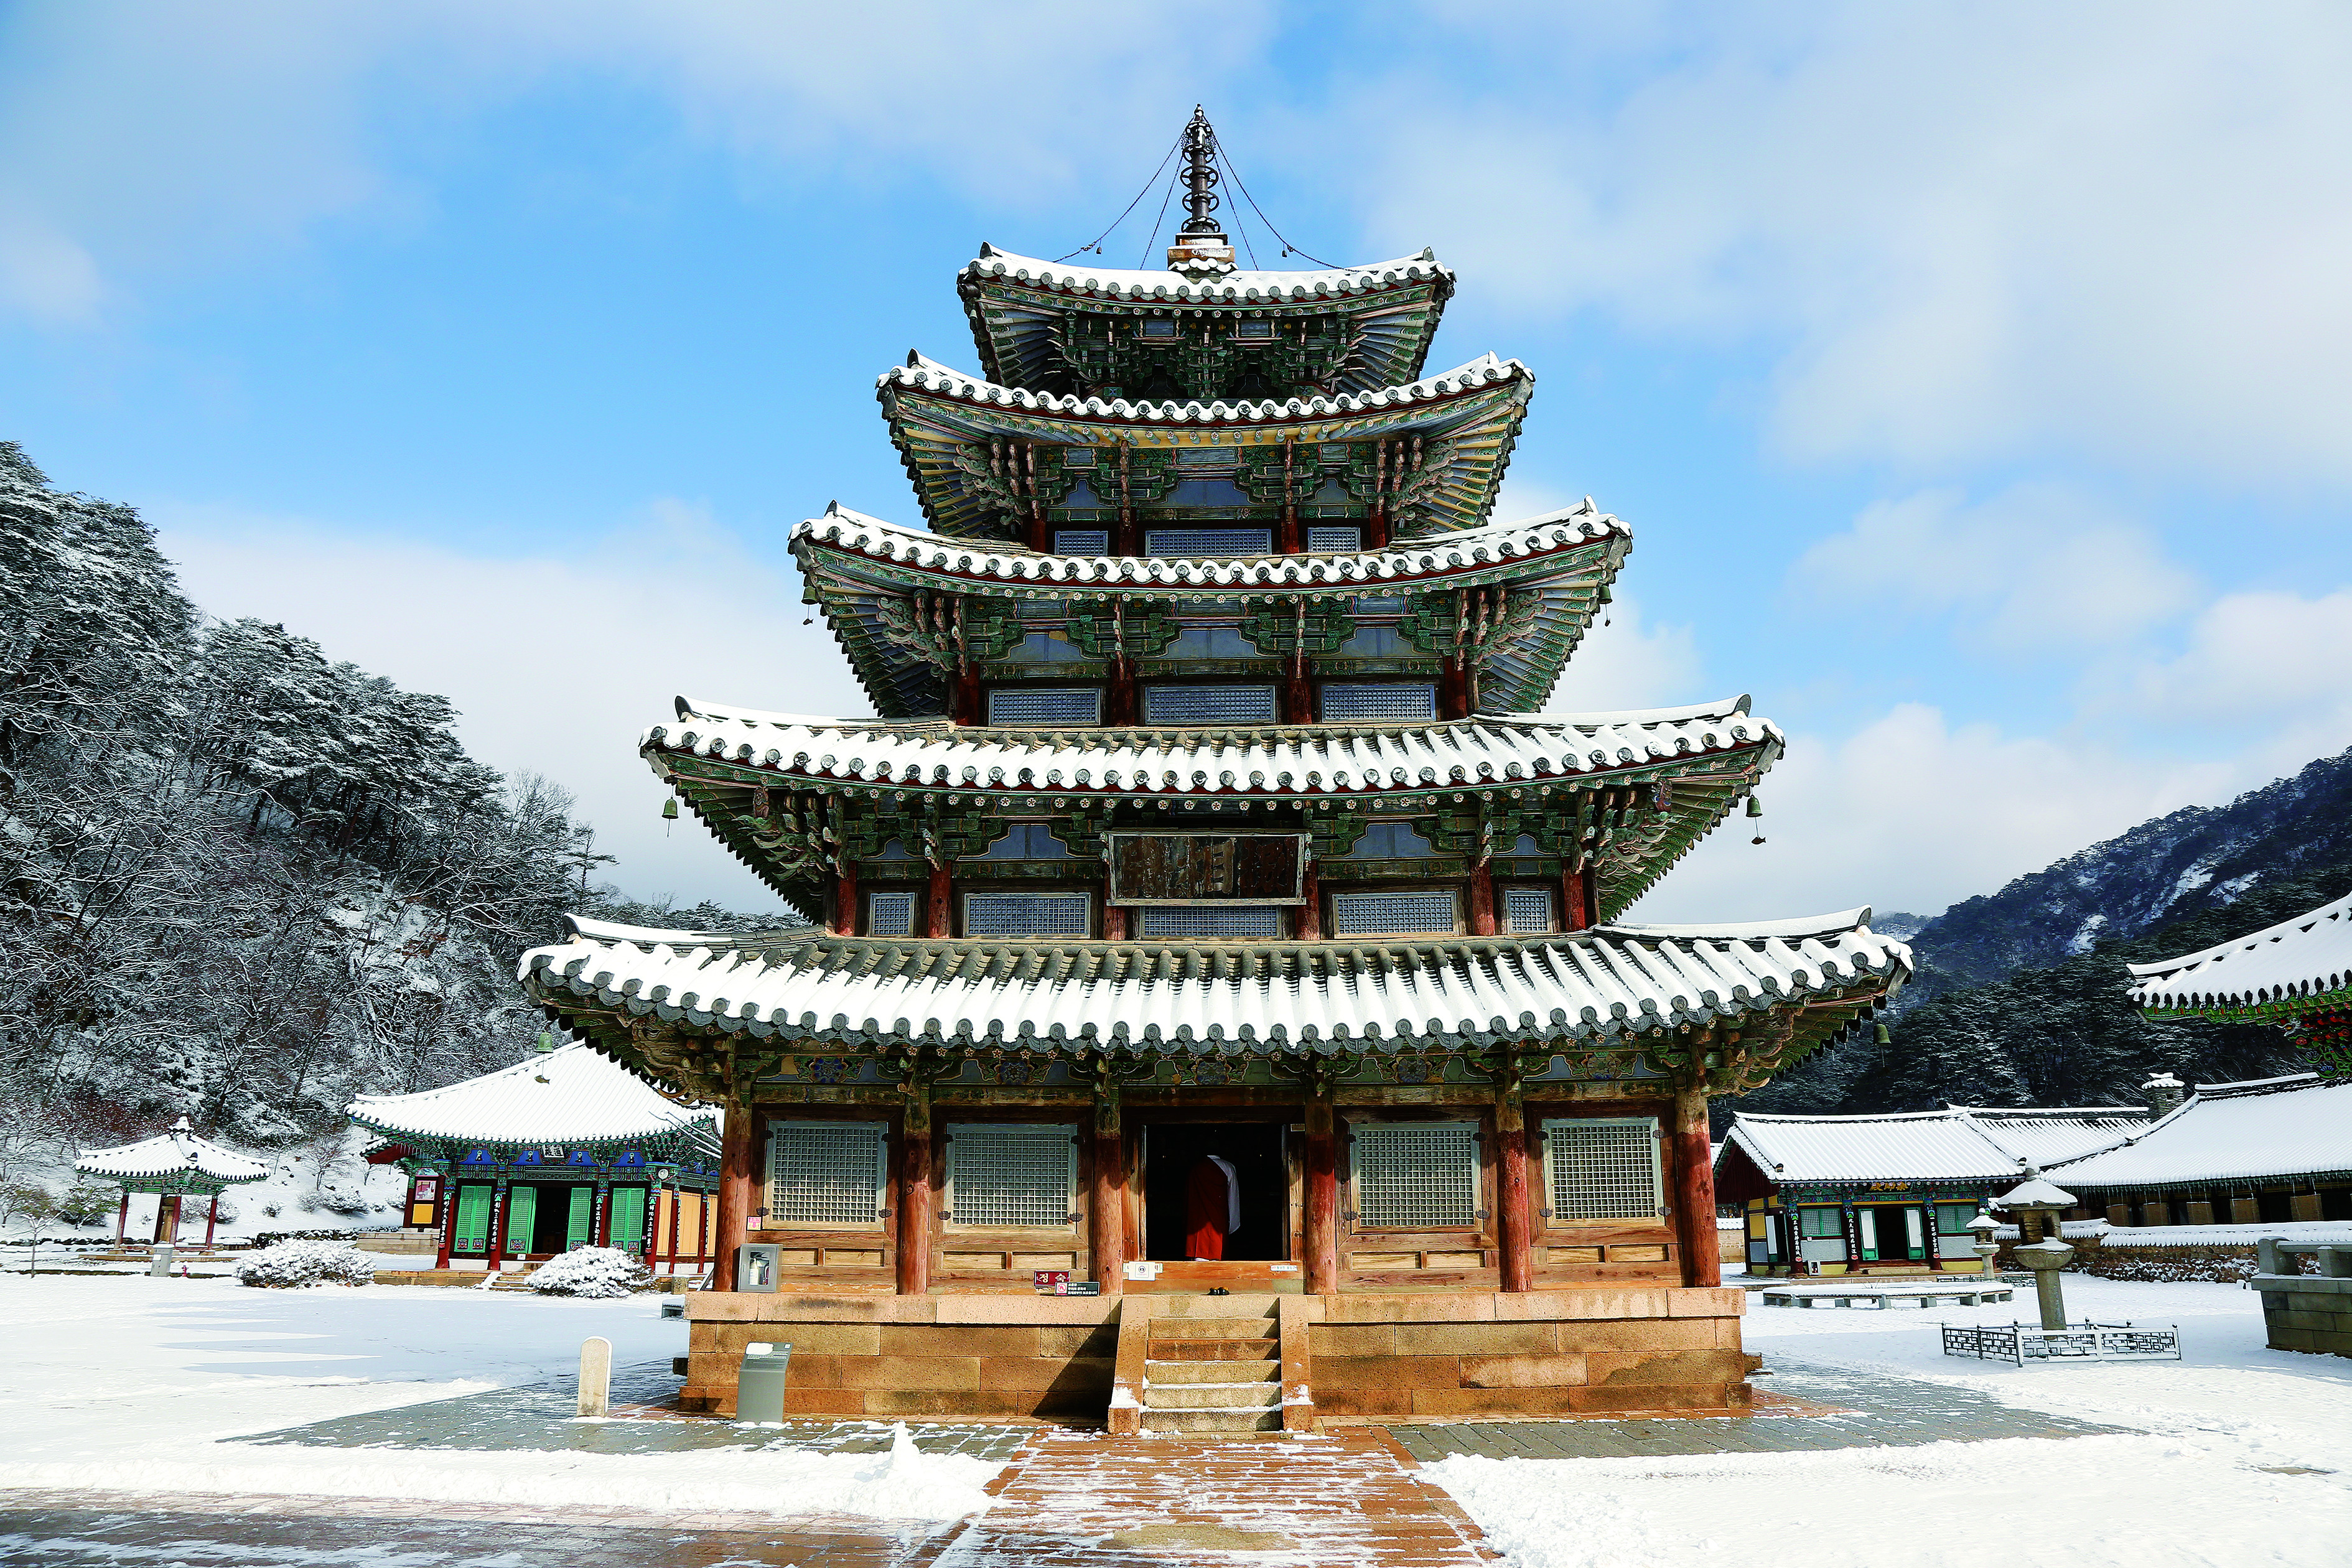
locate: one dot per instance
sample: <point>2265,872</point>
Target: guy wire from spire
<point>1287,248</point>
<point>1145,260</point>
<point>1095,243</point>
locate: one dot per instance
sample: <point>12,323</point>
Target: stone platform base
<point>1446,1355</point>
<point>2306,1312</point>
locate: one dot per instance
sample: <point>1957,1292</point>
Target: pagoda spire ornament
<point>1201,249</point>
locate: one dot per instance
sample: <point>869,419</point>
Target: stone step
<point>1210,1395</point>
<point>1195,1306</point>
<point>1265,1349</point>
<point>1157,1371</point>
<point>1182,1421</point>
<point>1212,1328</point>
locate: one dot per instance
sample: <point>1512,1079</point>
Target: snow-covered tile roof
<point>1238,287</point>
<point>1597,986</point>
<point>2293,1127</point>
<point>177,1153</point>
<point>573,1094</point>
<point>2279,966</point>
<point>1293,763</point>
<point>922,374</point>
<point>1502,549</point>
<point>1955,1143</point>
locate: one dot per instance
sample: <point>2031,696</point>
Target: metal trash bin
<point>760,1386</point>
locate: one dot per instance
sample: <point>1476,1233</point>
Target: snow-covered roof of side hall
<point>573,1094</point>
<point>2278,969</point>
<point>1608,986</point>
<point>1958,1142</point>
<point>177,1153</point>
<point>2296,1126</point>
<point>1240,287</point>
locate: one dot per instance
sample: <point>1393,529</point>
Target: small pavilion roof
<point>2300,1125</point>
<point>1608,985</point>
<point>177,1158</point>
<point>1018,305</point>
<point>1956,1144</point>
<point>853,565</point>
<point>2292,967</point>
<point>573,1094</point>
<point>940,416</point>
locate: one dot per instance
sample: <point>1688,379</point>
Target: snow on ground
<point>2201,1481</point>
<point>146,1385</point>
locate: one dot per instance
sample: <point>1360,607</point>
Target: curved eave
<point>2298,966</point>
<point>847,561</point>
<point>1605,989</point>
<point>1016,306</point>
<point>933,411</point>
<point>1709,757</point>
<point>2284,1008</point>
<point>699,1134</point>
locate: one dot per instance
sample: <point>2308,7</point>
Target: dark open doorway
<point>1170,1152</point>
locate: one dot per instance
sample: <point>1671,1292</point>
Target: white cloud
<point>2039,565</point>
<point>1910,813</point>
<point>556,665</point>
<point>1963,231</point>
<point>2276,663</point>
<point>1625,663</point>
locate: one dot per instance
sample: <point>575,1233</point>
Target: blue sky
<point>1974,377</point>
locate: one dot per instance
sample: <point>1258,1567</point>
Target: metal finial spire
<point>1201,248</point>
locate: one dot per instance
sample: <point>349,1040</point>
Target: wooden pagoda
<point>1208,908</point>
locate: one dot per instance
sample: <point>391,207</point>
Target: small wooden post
<point>938,908</point>
<point>123,1220</point>
<point>914,1195</point>
<point>1107,1204</point>
<point>1482,898</point>
<point>1694,1190</point>
<point>735,1182</point>
<point>595,1377</point>
<point>1322,1226</point>
<point>1511,1230</point>
<point>211,1219</point>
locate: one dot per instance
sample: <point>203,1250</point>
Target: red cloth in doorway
<point>1211,1200</point>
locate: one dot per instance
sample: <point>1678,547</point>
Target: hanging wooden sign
<point>1208,868</point>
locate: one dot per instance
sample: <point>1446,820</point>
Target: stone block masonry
<point>2306,1312</point>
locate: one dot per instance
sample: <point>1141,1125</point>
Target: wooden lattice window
<point>1017,1175</point>
<point>826,1173</point>
<point>1416,1175</point>
<point>1604,1168</point>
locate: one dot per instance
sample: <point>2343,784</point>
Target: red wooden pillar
<point>603,1213</point>
<point>676,1206</point>
<point>965,695</point>
<point>704,1205</point>
<point>1310,912</point>
<point>938,908</point>
<point>1298,697</point>
<point>1694,1191</point>
<point>845,901</point>
<point>735,1163</point>
<point>1512,1229</point>
<point>914,1196</point>
<point>1107,1204</point>
<point>1452,690</point>
<point>446,1185</point>
<point>1113,922</point>
<point>1482,898</point>
<point>1572,878</point>
<point>1118,702</point>
<point>123,1220</point>
<point>1322,1216</point>
<point>497,1223</point>
<point>211,1219</point>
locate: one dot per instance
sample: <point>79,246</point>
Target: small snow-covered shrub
<point>291,1264</point>
<point>601,1271</point>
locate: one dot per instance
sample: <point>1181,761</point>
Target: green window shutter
<point>473,1219</point>
<point>522,1216</point>
<point>583,1209</point>
<point>629,1218</point>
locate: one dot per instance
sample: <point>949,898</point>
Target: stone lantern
<point>1985,1245</point>
<point>2047,1256</point>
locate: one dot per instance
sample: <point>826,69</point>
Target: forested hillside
<point>239,879</point>
<point>2062,1034</point>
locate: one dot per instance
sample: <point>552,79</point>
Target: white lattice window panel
<point>1417,1175</point>
<point>1026,914</point>
<point>1604,1168</point>
<point>1261,923</point>
<point>1082,542</point>
<point>1393,914</point>
<point>1527,911</point>
<point>1037,706</point>
<point>891,914</point>
<point>1210,543</point>
<point>1011,1176</point>
<point>1354,701</point>
<point>826,1173</point>
<point>1209,705</point>
<point>1334,540</point>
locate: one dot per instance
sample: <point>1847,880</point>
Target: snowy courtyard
<point>2237,1454</point>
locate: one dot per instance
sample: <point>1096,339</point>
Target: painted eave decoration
<point>2293,967</point>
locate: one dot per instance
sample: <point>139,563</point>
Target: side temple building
<point>1208,906</point>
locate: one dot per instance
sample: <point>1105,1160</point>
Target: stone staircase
<point>1214,1364</point>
